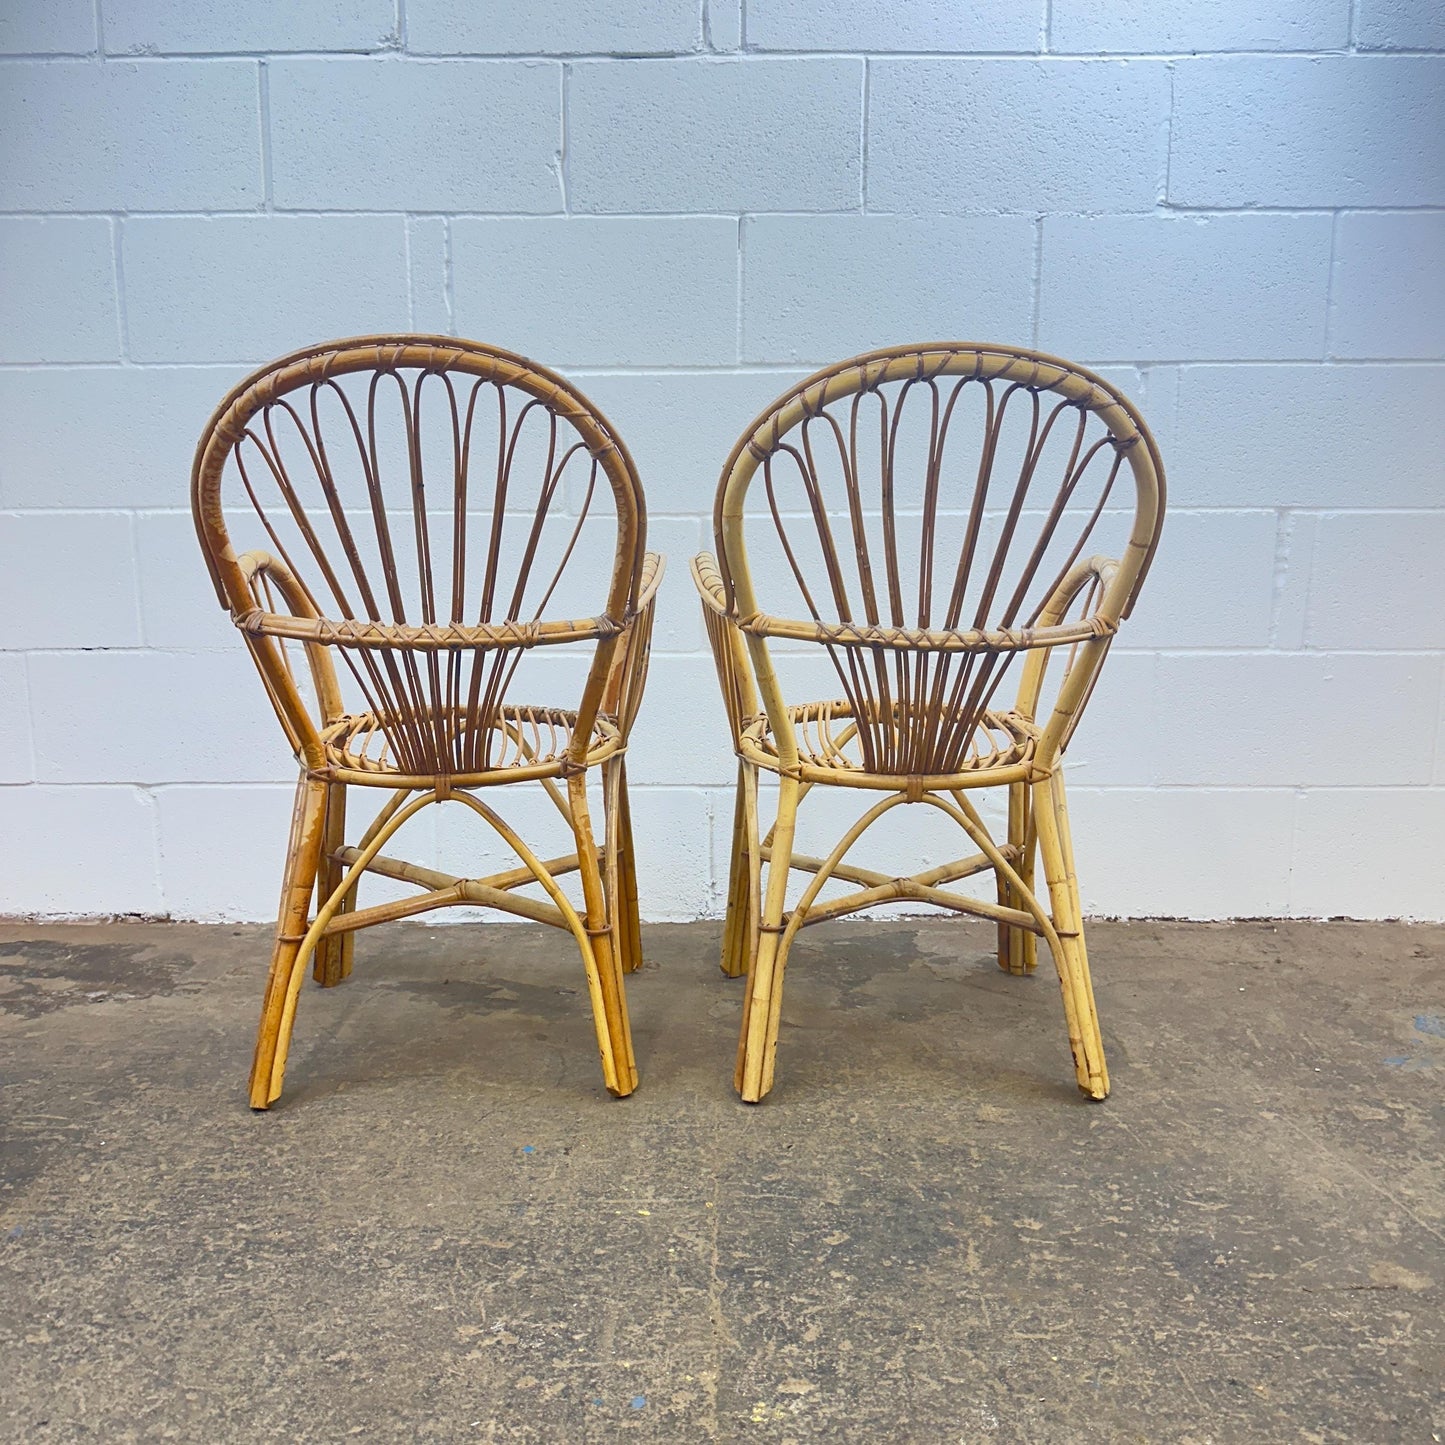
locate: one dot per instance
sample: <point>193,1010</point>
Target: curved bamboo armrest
<point>709,583</point>
<point>260,568</point>
<point>654,564</point>
<point>623,693</point>
<point>1092,575</point>
<point>729,651</point>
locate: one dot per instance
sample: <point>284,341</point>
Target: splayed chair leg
<point>303,854</point>
<point>1017,947</point>
<point>740,928</point>
<point>609,1007</point>
<point>762,1005</point>
<point>1057,851</point>
<point>332,964</point>
<point>622,869</point>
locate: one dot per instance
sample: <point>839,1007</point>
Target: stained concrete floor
<point>447,1231</point>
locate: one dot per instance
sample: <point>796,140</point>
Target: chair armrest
<point>708,580</point>
<point>261,573</point>
<point>623,694</point>
<point>729,648</point>
<point>1089,578</point>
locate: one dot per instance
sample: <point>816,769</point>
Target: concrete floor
<point>447,1231</point>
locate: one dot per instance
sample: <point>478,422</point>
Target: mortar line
<point>122,314</point>
<point>1330,286</point>
<point>564,158</point>
<point>267,191</point>
<point>863,140</point>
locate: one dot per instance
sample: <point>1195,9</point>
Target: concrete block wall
<point>1237,211</point>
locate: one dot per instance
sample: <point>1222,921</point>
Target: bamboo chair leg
<point>1057,851</point>
<point>629,914</point>
<point>614,1035</point>
<point>740,920</point>
<point>332,964</point>
<point>303,854</point>
<point>758,1043</point>
<point>1017,947</point>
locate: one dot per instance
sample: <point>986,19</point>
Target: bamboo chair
<point>909,522</point>
<point>418,613</point>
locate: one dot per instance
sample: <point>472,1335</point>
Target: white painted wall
<point>1237,210</point>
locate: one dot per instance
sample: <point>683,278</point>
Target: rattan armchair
<point>929,516</point>
<point>421,507</point>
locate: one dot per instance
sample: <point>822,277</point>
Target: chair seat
<point>826,736</point>
<point>516,737</point>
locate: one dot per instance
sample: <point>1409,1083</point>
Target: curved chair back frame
<point>451,650</point>
<point>917,717</point>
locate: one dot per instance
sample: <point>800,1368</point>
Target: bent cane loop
<point>324,916</point>
<point>569,913</point>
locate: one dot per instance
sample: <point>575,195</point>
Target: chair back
<point>429,511</point>
<point>926,514</point>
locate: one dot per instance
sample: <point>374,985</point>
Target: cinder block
<point>183,135</point>
<point>715,135</point>
<point>699,755</point>
<point>593,291</point>
<point>222,850</point>
<point>1220,717</point>
<point>553,27</point>
<point>1388,294</point>
<point>1341,834</point>
<point>1170,853</point>
<point>247,288</point>
<point>1211,584</point>
<point>427,247</point>
<point>1371,578</point>
<point>178,604</point>
<point>1295,551</point>
<point>1017,135</point>
<point>154,717</point>
<point>671,830</point>
<point>103,436</point>
<point>677,623</point>
<point>58,301</point>
<point>87,852</point>
<point>67,580</point>
<point>1399,25</point>
<point>1114,745</point>
<point>876,25</point>
<point>1323,131</point>
<point>17,762</point>
<point>1309,436</point>
<point>819,288</point>
<point>1075,26</point>
<point>1137,288</point>
<point>413,135</point>
<point>208,27</point>
<point>59,27</point>
<point>680,427</point>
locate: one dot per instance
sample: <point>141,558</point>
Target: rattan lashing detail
<point>432,658</point>
<point>920,673</point>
